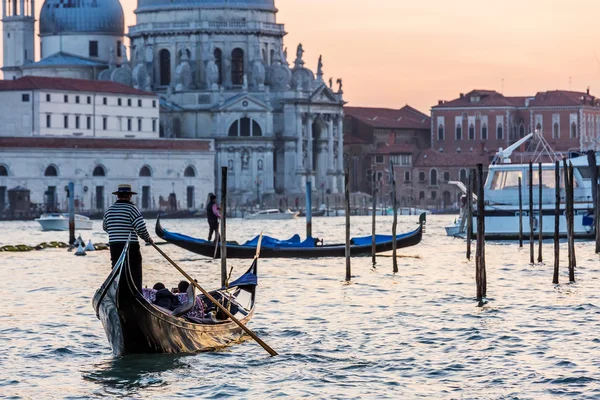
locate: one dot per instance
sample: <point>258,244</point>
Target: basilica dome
<point>82,16</point>
<point>257,4</point>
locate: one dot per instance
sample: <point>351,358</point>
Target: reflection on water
<point>127,375</point>
<point>416,334</point>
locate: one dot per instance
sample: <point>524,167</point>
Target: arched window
<point>499,132</point>
<point>463,176</point>
<point>190,172</point>
<point>458,132</point>
<point>165,67</point>
<point>51,170</point>
<point>484,133</point>
<point>256,130</point>
<point>471,132</point>
<point>573,130</point>
<point>145,171</point>
<point>538,127</point>
<point>272,59</point>
<point>555,131</point>
<point>441,132</point>
<point>245,127</point>
<point>237,66</point>
<point>99,171</point>
<point>3,170</point>
<point>433,179</point>
<point>521,130</point>
<point>219,61</point>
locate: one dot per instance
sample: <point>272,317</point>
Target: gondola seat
<point>188,305</point>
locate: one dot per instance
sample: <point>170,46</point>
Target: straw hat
<point>124,189</point>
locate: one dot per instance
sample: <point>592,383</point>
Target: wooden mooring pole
<point>308,207</point>
<point>347,204</point>
<point>395,223</point>
<point>520,213</point>
<point>470,185</point>
<point>541,215</point>
<point>573,262</point>
<point>556,222</point>
<point>591,155</point>
<point>71,194</point>
<point>531,240</point>
<point>480,252</point>
<point>223,226</point>
<point>373,218</point>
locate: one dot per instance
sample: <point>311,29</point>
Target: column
<point>3,8</point>
<point>237,170</point>
<point>309,145</point>
<point>268,169</point>
<point>32,12</point>
<point>22,9</point>
<point>299,139</point>
<point>341,152</point>
<point>330,163</point>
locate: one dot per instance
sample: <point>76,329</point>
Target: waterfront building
<point>221,70</point>
<point>167,174</point>
<point>41,106</point>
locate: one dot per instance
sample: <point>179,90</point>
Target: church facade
<point>222,72</point>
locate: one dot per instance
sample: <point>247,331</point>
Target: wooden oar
<point>216,303</point>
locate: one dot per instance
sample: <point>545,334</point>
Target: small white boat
<point>455,228</point>
<point>273,214</point>
<point>60,222</point>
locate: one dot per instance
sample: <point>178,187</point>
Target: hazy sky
<point>393,52</point>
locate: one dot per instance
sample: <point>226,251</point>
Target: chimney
<point>440,102</point>
<point>588,90</point>
<point>462,95</point>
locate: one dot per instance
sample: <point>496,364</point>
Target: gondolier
<point>123,221</point>
<point>213,216</point>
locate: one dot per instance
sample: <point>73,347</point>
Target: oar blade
<point>258,246</point>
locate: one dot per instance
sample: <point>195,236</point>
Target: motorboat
<point>501,191</point>
<point>273,214</point>
<point>60,222</point>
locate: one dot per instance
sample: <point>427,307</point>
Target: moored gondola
<point>134,325</point>
<point>293,249</point>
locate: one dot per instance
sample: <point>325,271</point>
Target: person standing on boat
<point>122,220</point>
<point>212,216</point>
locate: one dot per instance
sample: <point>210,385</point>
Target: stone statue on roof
<point>299,53</point>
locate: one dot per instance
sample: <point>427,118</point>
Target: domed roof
<point>82,16</point>
<point>256,4</point>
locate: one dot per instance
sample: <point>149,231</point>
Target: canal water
<point>416,334</point>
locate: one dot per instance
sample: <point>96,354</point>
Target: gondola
<point>296,249</point>
<point>133,325</point>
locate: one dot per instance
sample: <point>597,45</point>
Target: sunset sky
<point>396,52</point>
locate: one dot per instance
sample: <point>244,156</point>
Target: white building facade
<point>36,106</point>
<point>223,71</point>
<point>157,169</point>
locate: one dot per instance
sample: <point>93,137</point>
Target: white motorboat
<point>273,214</point>
<point>60,222</point>
<point>501,191</point>
<point>454,229</point>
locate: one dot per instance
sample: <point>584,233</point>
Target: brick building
<point>374,135</point>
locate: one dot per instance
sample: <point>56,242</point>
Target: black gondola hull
<point>246,252</point>
<point>135,326</point>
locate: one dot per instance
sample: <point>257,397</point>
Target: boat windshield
<point>506,180</point>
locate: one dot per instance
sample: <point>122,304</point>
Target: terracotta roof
<point>562,98</point>
<point>72,85</point>
<point>351,139</point>
<point>404,118</point>
<point>487,98</point>
<point>435,158</point>
<point>395,149</point>
<point>104,144</point>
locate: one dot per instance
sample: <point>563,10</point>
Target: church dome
<point>82,16</point>
<point>252,4</point>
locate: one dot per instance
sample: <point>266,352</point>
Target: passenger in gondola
<point>123,222</point>
<point>183,286</point>
<point>213,215</point>
<point>165,298</point>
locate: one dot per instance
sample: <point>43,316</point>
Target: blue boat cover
<point>587,220</point>
<point>367,240</point>
<point>248,279</point>
<point>293,242</point>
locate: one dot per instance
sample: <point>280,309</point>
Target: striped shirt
<point>123,218</point>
